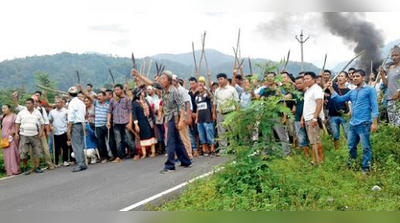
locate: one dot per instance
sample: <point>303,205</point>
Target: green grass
<point>293,184</point>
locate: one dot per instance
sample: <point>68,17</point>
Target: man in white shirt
<point>225,98</point>
<point>76,124</point>
<point>29,127</point>
<point>184,132</point>
<point>43,139</point>
<point>59,124</point>
<point>313,100</point>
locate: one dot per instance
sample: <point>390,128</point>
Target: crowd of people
<point>162,117</point>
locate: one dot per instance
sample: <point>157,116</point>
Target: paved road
<point>102,187</point>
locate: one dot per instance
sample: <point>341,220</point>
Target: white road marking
<point>152,198</point>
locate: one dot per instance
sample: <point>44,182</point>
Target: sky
<point>45,27</point>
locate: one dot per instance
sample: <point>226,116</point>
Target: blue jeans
<point>120,138</point>
<point>357,133</point>
<point>206,133</point>
<point>192,138</point>
<point>175,145</point>
<point>301,134</point>
<point>336,122</point>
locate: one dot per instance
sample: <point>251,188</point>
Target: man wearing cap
<point>76,122</point>
<point>225,98</point>
<point>174,113</point>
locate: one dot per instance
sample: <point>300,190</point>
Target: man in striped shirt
<point>119,110</point>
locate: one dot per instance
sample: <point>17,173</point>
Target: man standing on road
<point>174,113</point>
<point>76,124</point>
<point>29,128</point>
<point>225,98</point>
<point>119,110</point>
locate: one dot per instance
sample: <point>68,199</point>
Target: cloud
<point>109,28</point>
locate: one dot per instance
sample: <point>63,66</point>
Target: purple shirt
<point>120,110</point>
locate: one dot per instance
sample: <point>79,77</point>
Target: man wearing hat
<point>76,122</point>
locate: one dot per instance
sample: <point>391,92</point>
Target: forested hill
<point>93,68</point>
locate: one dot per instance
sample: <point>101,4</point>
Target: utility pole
<point>301,41</point>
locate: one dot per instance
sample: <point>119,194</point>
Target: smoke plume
<point>352,28</point>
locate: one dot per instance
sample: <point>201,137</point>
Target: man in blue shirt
<point>364,117</point>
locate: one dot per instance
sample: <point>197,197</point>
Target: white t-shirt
<point>223,96</point>
<point>60,120</point>
<point>312,94</point>
<point>30,122</point>
<point>185,96</point>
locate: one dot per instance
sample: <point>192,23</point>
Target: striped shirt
<point>30,122</point>
<point>101,112</point>
<point>172,103</point>
<point>120,110</point>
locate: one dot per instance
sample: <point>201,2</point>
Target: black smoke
<point>353,28</point>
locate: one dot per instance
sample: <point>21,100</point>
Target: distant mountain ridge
<point>93,67</point>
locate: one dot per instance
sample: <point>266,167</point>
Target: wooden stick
<point>52,90</point>
<point>112,76</point>
<point>203,43</point>
<point>287,60</point>
<point>250,67</point>
<point>79,78</point>
<point>194,58</point>
<point>344,68</point>
<point>238,45</point>
<point>148,70</point>
<point>323,67</point>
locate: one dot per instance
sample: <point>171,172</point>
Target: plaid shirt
<point>120,110</point>
<point>172,103</point>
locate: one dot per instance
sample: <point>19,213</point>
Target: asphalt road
<point>108,187</point>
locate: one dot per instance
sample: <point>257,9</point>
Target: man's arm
<point>317,112</point>
<point>375,111</point>
<point>85,92</point>
<point>383,76</point>
<point>17,126</point>
<point>141,77</point>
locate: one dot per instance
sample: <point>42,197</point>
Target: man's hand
<point>214,117</point>
<point>108,125</point>
<point>134,72</point>
<point>189,121</point>
<point>137,129</point>
<point>314,123</point>
<point>40,134</point>
<point>69,143</point>
<point>374,127</point>
<point>15,94</point>
<point>79,86</point>
<point>302,124</point>
<point>16,136</point>
<point>181,125</point>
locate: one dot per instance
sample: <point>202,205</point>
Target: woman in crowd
<point>10,149</point>
<point>143,122</point>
